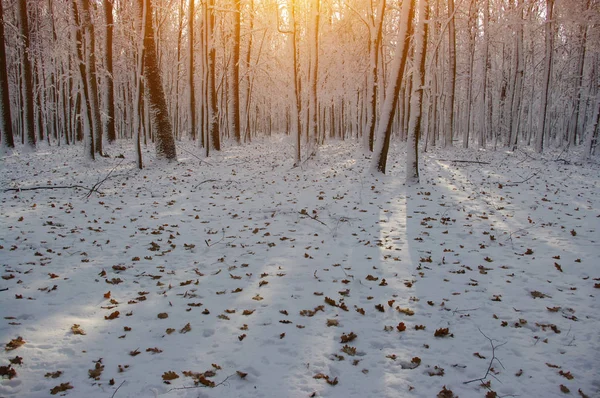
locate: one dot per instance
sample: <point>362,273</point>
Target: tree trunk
<point>313,132</point>
<point>517,92</point>
<point>192,87</point>
<point>5,117</point>
<point>375,39</point>
<point>155,95</point>
<point>110,86</point>
<point>213,115</point>
<point>235,78</point>
<point>90,65</point>
<point>549,30</point>
<point>84,82</point>
<point>416,97</point>
<point>384,129</point>
<point>449,126</point>
<point>27,78</point>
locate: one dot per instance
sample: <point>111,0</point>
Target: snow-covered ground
<point>263,280</point>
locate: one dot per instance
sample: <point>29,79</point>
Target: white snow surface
<point>503,255</point>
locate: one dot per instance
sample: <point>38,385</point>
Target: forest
<point>299,198</point>
<point>483,73</point>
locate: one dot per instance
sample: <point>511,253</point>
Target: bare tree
<point>192,87</point>
<point>108,59</point>
<point>27,78</point>
<point>155,94</point>
<point>384,129</point>
<point>5,116</point>
<point>549,40</point>
<point>449,126</point>
<point>416,97</point>
<point>235,77</point>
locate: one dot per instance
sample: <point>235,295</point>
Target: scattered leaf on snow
<point>14,344</point>
<point>112,316</point>
<point>346,338</point>
<point>77,330</point>
<point>170,375</point>
<point>62,387</point>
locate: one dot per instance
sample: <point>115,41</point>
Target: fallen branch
<point>489,368</point>
<point>462,161</point>
<point>49,187</point>
<point>514,184</point>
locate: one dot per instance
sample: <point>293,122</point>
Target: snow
<point>454,250</point>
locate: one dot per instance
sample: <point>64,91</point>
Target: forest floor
<point>241,276</point>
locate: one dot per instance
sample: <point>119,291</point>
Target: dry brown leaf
<point>170,375</point>
<point>8,372</point>
<point>77,330</point>
<point>62,387</point>
<point>162,315</point>
<point>346,338</point>
<point>241,374</point>
<point>14,344</point>
<point>186,328</point>
<point>112,316</point>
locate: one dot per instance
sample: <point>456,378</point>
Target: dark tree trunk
<point>5,117</point>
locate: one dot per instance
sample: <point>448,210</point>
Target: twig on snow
<point>462,161</point>
<point>469,309</point>
<point>487,373</point>
<point>514,184</point>
<point>205,181</point>
<point>202,385</point>
<point>115,393</point>
<point>51,187</point>
<point>191,154</point>
<point>97,185</point>
<point>305,213</point>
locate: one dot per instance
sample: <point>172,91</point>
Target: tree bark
<point>384,129</point>
<point>213,115</point>
<point>5,116</point>
<point>27,78</point>
<point>90,65</point>
<point>418,81</point>
<point>235,78</point>
<point>449,126</point>
<point>192,86</point>
<point>549,30</point>
<point>155,95</point>
<point>110,86</point>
